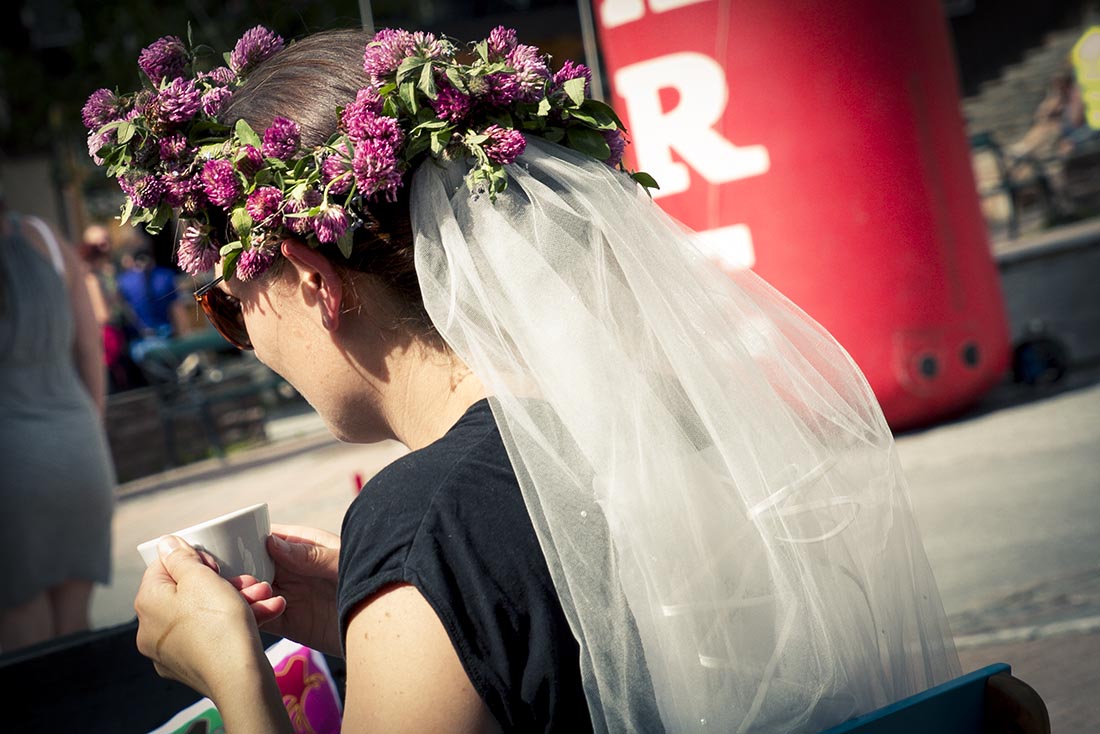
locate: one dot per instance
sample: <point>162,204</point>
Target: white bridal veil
<point>711,479</point>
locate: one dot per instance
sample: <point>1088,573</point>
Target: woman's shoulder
<point>464,468</point>
<point>42,239</point>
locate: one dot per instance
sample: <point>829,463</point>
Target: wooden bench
<point>1014,179</point>
<point>194,374</point>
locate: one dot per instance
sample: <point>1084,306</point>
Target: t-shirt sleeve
<point>377,536</point>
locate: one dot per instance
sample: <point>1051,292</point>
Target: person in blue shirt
<point>148,291</point>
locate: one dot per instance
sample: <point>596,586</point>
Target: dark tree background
<point>54,53</point>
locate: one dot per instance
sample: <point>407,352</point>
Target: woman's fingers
<point>304,534</point>
<point>243,582</point>
<point>178,558</point>
<point>210,561</point>
<point>257,592</point>
<point>267,610</point>
<point>304,558</point>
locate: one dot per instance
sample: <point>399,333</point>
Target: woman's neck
<point>432,391</point>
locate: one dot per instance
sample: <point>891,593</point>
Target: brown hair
<point>307,82</point>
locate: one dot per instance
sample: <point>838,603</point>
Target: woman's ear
<point>319,280</point>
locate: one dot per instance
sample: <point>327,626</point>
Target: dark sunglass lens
<point>224,313</point>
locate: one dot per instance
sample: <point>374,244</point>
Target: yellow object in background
<point>1086,62</point>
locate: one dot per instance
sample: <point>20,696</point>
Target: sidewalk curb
<point>1051,243</point>
<point>214,468</point>
<point>1082,625</point>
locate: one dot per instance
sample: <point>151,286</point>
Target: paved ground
<point>1009,502</point>
<point>1063,669</point>
<point>1009,505</point>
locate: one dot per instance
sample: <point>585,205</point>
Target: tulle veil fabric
<point>712,482</point>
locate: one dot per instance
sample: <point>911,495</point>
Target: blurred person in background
<point>113,315</point>
<point>1058,126</point>
<point>57,484</point>
<point>149,291</point>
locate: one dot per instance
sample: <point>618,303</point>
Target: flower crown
<point>239,192</point>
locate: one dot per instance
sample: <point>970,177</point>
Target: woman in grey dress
<point>57,480</point>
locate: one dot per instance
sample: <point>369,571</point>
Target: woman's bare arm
<point>87,334</point>
<point>403,672</point>
<point>96,297</point>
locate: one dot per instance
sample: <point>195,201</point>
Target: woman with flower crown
<point>641,495</point>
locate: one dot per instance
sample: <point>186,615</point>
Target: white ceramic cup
<point>238,542</point>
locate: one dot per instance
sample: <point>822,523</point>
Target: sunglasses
<point>224,313</point>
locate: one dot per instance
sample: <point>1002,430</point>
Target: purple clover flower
<point>281,139</point>
<point>173,147</point>
<point>254,261</point>
<point>367,104</point>
<point>426,44</point>
<point>384,53</point>
<point>570,70</point>
<point>185,193</point>
<point>502,40</point>
<point>178,102</point>
<point>386,129</point>
<point>219,182</point>
<point>369,99</point>
<point>126,186</point>
<point>336,171</point>
<point>214,101</point>
<point>164,58</point>
<point>222,76</point>
<point>617,142</point>
<point>96,141</point>
<point>390,46</point>
<point>263,205</point>
<point>196,253</point>
<point>376,170</point>
<point>531,71</point>
<point>256,45</point>
<point>330,224</point>
<point>450,104</point>
<point>144,191</point>
<point>101,108</point>
<point>250,161</point>
<point>301,225</point>
<point>504,144</point>
<point>504,89</point>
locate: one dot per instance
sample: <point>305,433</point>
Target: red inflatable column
<point>821,143</point>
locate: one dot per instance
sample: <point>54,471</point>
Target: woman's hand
<point>193,624</point>
<point>301,604</point>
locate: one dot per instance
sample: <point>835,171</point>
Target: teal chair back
<point>955,707</point>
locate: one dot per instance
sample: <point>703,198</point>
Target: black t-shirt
<point>450,520</point>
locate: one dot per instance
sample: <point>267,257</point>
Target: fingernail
<point>167,544</point>
<point>281,545</point>
<point>212,562</point>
